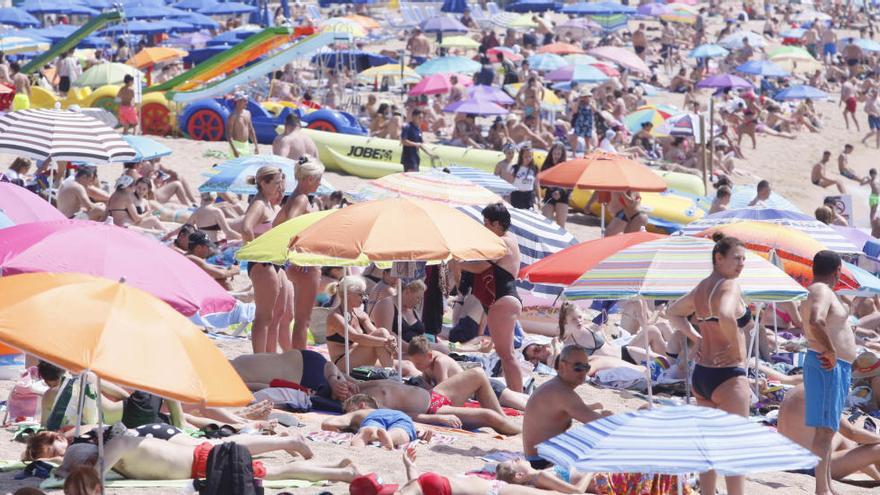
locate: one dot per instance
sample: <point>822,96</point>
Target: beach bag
<point>229,471</point>
<point>64,410</point>
<point>24,399</point>
<point>367,373</point>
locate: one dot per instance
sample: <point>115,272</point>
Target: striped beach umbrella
<point>669,268</point>
<point>233,175</point>
<point>742,195</point>
<point>442,188</point>
<point>682,439</point>
<point>63,135</point>
<point>479,177</point>
<point>795,220</point>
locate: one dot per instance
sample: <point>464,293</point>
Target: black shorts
<point>498,387</point>
<point>63,84</point>
<point>639,50</point>
<point>465,330</point>
<point>563,195</point>
<point>625,355</point>
<point>522,199</point>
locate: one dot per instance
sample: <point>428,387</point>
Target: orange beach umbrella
<point>603,172</point>
<point>119,333</point>
<point>560,48</point>
<point>155,54</point>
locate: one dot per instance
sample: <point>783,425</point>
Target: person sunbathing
<point>443,405</point>
<point>392,429</point>
<point>545,354</point>
<point>122,208</point>
<point>147,458</point>
<point>214,218</point>
<point>853,449</point>
<point>307,368</point>
<point>520,472</point>
<point>437,367</point>
<point>199,248</point>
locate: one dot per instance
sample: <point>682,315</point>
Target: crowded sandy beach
<point>457,248</point>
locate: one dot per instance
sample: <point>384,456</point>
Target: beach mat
<point>7,466</point>
<point>114,480</point>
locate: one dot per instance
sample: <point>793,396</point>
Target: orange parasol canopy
<point>560,49</point>
<point>400,229</point>
<point>365,22</point>
<point>118,332</point>
<point>155,54</point>
<point>603,172</point>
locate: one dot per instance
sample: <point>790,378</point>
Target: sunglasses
<point>579,367</point>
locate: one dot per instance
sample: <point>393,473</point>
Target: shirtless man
<point>819,177</point>
<point>155,459</point>
<point>828,365</point>
<point>520,133</point>
<point>829,44</point>
<point>853,448</point>
<point>849,101</point>
<point>437,367</point>
<point>456,91</point>
<point>843,164</point>
<point>73,196</point>
<point>444,404</point>
<point>22,98</point>
<point>394,124</point>
<point>240,132</point>
<point>874,197</point>
<point>640,41</point>
<point>530,96</point>
<point>872,109</point>
<point>419,47</point>
<point>200,247</point>
<point>762,193</point>
<point>128,115</point>
<point>554,405</point>
<point>293,144</point>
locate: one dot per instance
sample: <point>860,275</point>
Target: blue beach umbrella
<point>448,65</point>
<point>867,45</point>
<point>200,21</point>
<point>359,59</point>
<point>195,4</point>
<point>536,6</point>
<point>742,195</point>
<point>479,177</point>
<point>232,175</point>
<point>147,27</point>
<point>146,148</point>
<point>454,6</point>
<point>598,8</point>
<point>97,4</point>
<point>796,33</point>
<point>708,51</point>
<point>869,284</point>
<point>14,16</point>
<point>138,12</point>
<point>228,8</point>
<point>800,92</point>
<point>762,68</point>
<point>232,37</point>
<point>57,7</point>
<point>546,62</point>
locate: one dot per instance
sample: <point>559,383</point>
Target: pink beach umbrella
<point>621,56</point>
<point>437,84</point>
<point>102,250</point>
<point>22,206</point>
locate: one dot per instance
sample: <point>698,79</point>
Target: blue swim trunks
<point>829,49</point>
<point>388,419</point>
<point>826,391</point>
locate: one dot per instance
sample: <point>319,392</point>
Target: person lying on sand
<point>520,472</point>
<point>437,367</point>
<point>545,354</point>
<point>853,449</point>
<point>555,404</point>
<point>155,459</point>
<point>392,429</point>
<point>307,368</point>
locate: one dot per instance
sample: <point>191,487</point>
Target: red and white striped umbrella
<point>64,135</point>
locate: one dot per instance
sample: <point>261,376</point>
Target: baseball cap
<point>124,181</point>
<point>370,484</point>
<point>198,238</point>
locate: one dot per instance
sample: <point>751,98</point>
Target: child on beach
<point>128,115</point>
<point>391,428</point>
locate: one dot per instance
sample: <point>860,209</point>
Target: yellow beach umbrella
<point>465,42</point>
<point>155,54</point>
<point>364,21</point>
<point>390,71</point>
<point>523,22</point>
<point>119,333</point>
<point>343,25</point>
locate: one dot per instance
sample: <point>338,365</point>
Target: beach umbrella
<point>788,52</point>
<point>670,267</point>
<point>684,439</point>
<point>14,44</point>
<point>509,54</point>
<point>742,195</point>
<point>14,16</point>
<point>233,175</point>
<point>428,186</point>
<point>679,16</point>
<point>448,65</point>
<point>597,8</point>
<point>102,250</point>
<point>56,7</point>
<point>524,21</point>
<point>146,27</point>
<point>796,33</point>
<point>560,48</point>
<point>342,25</point>
<point>633,122</point>
<point>806,224</point>
<point>868,245</point>
<point>579,26</point>
<point>146,148</point>
<point>809,16</point>
<point>97,4</point>
<point>724,81</point>
<point>63,135</point>
<point>533,6</point>
<point>437,84</point>
<point>621,56</point>
<point>443,24</point>
<point>228,8</point>
<point>465,42</point>
<point>764,68</point>
<point>610,22</point>
<point>454,6</point>
<point>565,266</point>
<point>578,73</point>
<point>105,73</point>
<point>580,59</point>
<point>118,332</point>
<point>799,66</point>
<point>799,92</point>
<point>19,206</point>
<point>734,41</point>
<point>684,125</point>
<point>392,71</point>
<point>869,284</point>
<point>140,12</point>
<point>489,93</point>
<point>603,172</point>
<point>479,177</point>
<point>153,55</point>
<point>195,4</point>
<point>356,59</point>
<point>197,20</point>
<point>365,22</point>
<point>476,107</point>
<point>708,51</point>
<point>546,62</point>
<point>191,40</point>
<point>653,9</point>
<point>867,45</point>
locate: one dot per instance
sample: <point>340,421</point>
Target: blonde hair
<point>264,174</point>
<point>417,285</point>
<point>347,283</point>
<point>308,168</point>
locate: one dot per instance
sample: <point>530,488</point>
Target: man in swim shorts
<point>828,365</point>
<point>843,163</point>
<point>240,128</point>
<point>128,115</point>
<point>874,197</point>
<point>390,428</point>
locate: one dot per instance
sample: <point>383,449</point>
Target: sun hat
<point>867,365</point>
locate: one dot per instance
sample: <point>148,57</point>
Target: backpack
<point>229,472</point>
<point>24,398</point>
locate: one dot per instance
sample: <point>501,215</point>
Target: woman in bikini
<point>367,345</point>
<point>122,207</point>
<point>385,311</point>
<point>494,284</point>
<point>264,276</point>
<point>625,209</point>
<point>303,280</point>
<point>210,219</point>
<point>719,377</point>
<point>555,205</point>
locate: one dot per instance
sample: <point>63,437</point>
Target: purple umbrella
<point>653,9</point>
<point>578,73</point>
<point>443,24</point>
<point>869,245</point>
<point>488,93</point>
<point>723,81</point>
<point>476,107</point>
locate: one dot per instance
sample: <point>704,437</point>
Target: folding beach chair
<point>493,9</point>
<point>314,12</point>
<point>408,16</point>
<point>479,15</point>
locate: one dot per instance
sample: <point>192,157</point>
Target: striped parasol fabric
<point>669,268</point>
<point>817,230</point>
<point>479,177</point>
<point>675,440</point>
<point>742,195</point>
<point>442,188</point>
<point>63,135</point>
<point>537,237</point>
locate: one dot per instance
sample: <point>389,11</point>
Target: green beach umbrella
<point>105,73</point>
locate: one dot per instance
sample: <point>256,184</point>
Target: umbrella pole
<point>775,328</point>
<point>400,328</point>
<point>687,373</point>
<point>80,403</point>
<point>680,485</point>
<point>345,325</point>
<point>752,348</point>
<point>648,370</point>
<point>100,436</point>
<point>602,220</point>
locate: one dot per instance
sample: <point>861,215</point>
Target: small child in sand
<point>389,427</point>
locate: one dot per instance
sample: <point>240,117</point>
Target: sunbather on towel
<point>520,472</point>
<point>390,428</point>
<point>442,405</point>
<point>154,459</point>
<point>307,368</point>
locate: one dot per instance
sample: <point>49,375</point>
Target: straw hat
<point>867,365</point>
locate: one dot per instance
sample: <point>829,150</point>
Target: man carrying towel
<point>240,128</point>
<point>828,365</point>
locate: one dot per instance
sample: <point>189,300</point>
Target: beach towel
<point>342,438</point>
<point>507,410</point>
<point>637,484</point>
<point>285,398</point>
<point>115,480</point>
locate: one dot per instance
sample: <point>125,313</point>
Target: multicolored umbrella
<point>742,195</point>
<point>476,107</point>
<point>578,27</point>
<point>441,188</point>
<point>610,22</point>
<point>684,125</point>
<point>669,268</point>
<point>479,177</point>
<point>437,84</point>
<point>448,65</point>
<point>650,113</point>
<point>15,44</point>
<point>509,54</point>
<point>679,16</point>
<point>580,59</point>
<point>795,220</point>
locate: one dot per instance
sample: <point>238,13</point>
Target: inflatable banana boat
<point>667,211</point>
